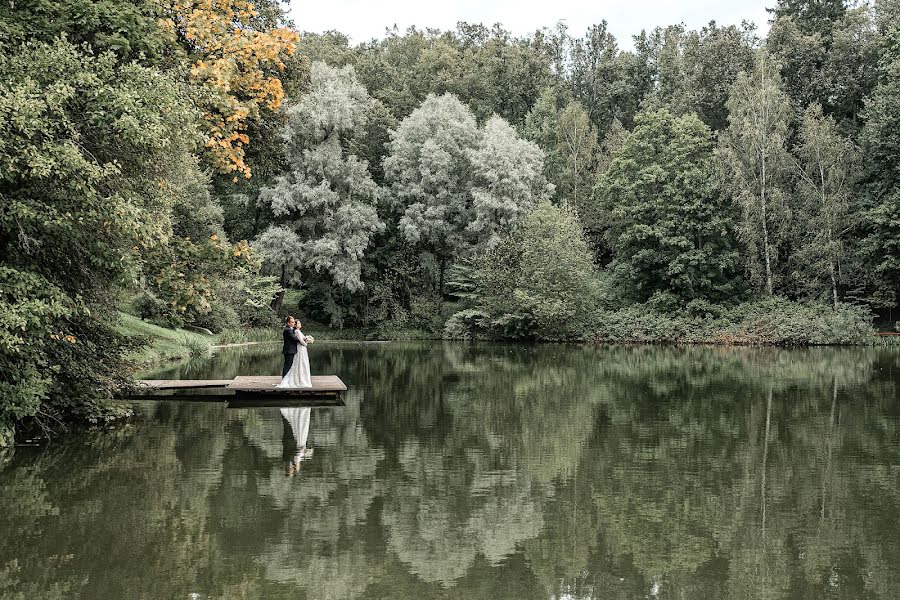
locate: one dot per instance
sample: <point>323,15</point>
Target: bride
<point>298,376</point>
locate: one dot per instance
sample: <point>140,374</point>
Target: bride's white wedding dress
<point>298,376</point>
<point>298,421</point>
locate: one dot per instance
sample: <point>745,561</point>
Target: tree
<point>814,16</point>
<point>126,28</point>
<point>541,128</point>
<point>501,74</point>
<point>757,164</point>
<point>827,164</point>
<point>430,176</point>
<point>881,147</point>
<point>234,61</point>
<point>508,181</point>
<point>325,205</point>
<point>828,55</point>
<point>608,83</point>
<point>696,69</point>
<point>88,148</point>
<point>670,229</point>
<point>486,68</point>
<point>539,282</point>
<point>576,141</point>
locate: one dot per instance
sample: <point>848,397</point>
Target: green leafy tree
<point>696,69</point>
<point>669,227</point>
<point>828,55</point>
<point>608,83</point>
<point>541,128</point>
<point>881,148</point>
<point>128,29</point>
<point>757,165</point>
<point>539,282</point>
<point>87,148</point>
<point>828,162</point>
<point>325,205</point>
<point>814,16</point>
<point>576,142</point>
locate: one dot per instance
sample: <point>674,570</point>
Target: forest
<point>207,164</point>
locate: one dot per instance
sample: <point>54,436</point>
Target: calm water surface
<point>483,471</point>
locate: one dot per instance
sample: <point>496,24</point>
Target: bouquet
<point>309,339</point>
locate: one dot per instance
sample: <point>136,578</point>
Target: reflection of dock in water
<point>245,391</point>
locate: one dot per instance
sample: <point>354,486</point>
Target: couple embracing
<point>295,373</point>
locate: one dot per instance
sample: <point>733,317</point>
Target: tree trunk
<point>834,292</point>
<point>767,251</point>
<point>278,300</point>
<point>765,228</point>
<point>443,271</point>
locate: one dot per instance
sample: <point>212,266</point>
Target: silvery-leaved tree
<point>455,186</point>
<point>430,176</point>
<point>508,181</point>
<point>324,206</point>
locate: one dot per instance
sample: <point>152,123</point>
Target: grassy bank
<point>162,344</point>
<point>771,322</point>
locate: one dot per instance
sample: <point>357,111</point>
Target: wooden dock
<point>244,391</point>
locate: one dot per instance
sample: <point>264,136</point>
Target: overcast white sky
<point>365,19</point>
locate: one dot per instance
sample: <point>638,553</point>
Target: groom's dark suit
<point>289,349</point>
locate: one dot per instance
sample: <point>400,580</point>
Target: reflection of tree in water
<point>465,470</point>
<point>317,546</point>
<point>440,515</point>
<point>770,441</point>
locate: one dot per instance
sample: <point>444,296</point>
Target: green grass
<point>162,344</point>
<point>255,334</point>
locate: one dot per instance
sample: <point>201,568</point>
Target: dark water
<point>487,471</point>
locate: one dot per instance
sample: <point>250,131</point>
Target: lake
<point>482,471</point>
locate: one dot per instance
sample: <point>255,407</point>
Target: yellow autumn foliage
<point>232,70</point>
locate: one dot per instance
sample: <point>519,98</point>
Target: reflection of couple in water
<point>297,421</point>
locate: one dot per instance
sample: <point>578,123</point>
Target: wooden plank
<point>183,384</point>
<point>322,384</point>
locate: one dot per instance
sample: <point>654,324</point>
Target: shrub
<point>467,324</point>
<point>537,283</point>
<point>786,323</point>
<point>149,307</point>
<point>196,347</point>
<point>771,321</point>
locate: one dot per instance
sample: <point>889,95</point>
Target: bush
<point>771,321</point>
<point>467,324</point>
<point>149,307</point>
<point>196,347</point>
<point>220,317</point>
<point>778,321</point>
<point>537,283</point>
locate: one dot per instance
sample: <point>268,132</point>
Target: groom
<point>290,344</point>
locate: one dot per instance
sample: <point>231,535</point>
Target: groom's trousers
<point>288,361</point>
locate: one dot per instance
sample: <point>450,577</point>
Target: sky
<point>366,19</point>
